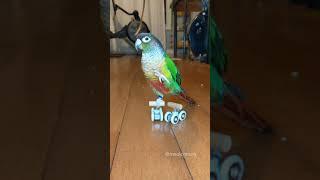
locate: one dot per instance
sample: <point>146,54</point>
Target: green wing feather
<point>172,74</point>
<point>173,69</point>
<point>218,59</point>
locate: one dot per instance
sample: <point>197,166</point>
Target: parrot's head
<point>148,43</point>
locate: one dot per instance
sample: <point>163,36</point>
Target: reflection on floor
<point>275,60</point>
<point>138,146</point>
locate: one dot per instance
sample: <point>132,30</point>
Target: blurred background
<point>179,25</point>
<point>274,58</point>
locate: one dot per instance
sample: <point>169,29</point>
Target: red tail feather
<point>186,98</point>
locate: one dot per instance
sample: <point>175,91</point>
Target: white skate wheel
<point>232,167</point>
<point>152,114</point>
<point>167,116</point>
<point>182,115</point>
<point>174,119</point>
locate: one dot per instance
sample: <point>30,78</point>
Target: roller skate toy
<point>178,114</point>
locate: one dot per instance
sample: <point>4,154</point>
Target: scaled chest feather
<point>150,64</point>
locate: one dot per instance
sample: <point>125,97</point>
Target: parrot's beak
<point>137,45</point>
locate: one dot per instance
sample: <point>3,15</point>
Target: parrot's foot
<point>160,101</point>
<point>159,98</point>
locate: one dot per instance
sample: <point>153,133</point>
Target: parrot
<point>218,59</point>
<point>159,69</point>
<point>225,96</point>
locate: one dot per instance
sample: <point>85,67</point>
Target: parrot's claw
<point>159,101</point>
<point>159,98</point>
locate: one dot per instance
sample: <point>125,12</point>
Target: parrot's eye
<point>146,39</point>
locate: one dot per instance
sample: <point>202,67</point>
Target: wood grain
<point>142,145</point>
<point>193,135</point>
<point>121,76</point>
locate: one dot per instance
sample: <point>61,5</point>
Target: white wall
<point>169,15</point>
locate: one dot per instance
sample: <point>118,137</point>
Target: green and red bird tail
<point>186,98</point>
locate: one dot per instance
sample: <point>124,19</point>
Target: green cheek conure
<point>159,69</point>
<point>218,62</point>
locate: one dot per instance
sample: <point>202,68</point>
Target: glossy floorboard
<point>138,145</point>
<point>52,126</point>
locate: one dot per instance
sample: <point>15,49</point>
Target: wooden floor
<point>52,95</point>
<point>267,40</point>
<point>138,146</point>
